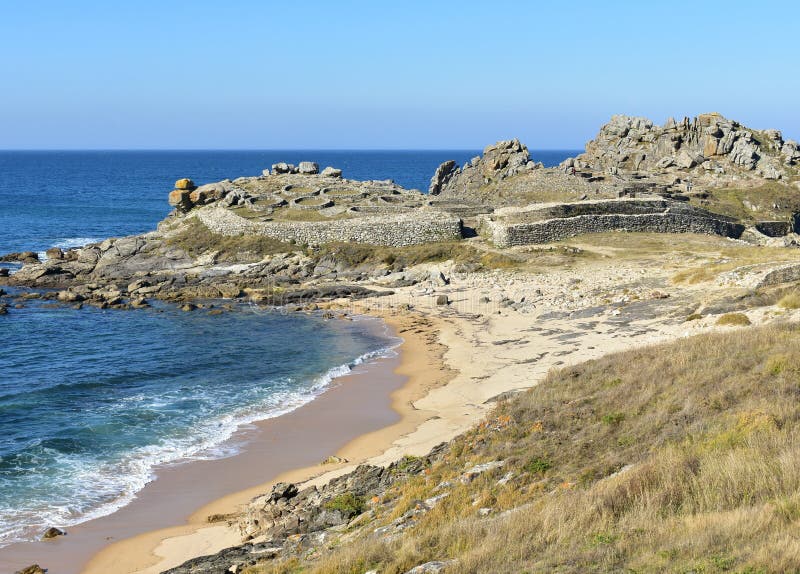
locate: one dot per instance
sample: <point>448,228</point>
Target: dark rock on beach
<point>52,532</point>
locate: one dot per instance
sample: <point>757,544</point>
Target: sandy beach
<point>359,412</point>
<point>399,382</point>
<point>454,360</point>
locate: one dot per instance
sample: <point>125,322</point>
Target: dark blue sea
<point>93,401</point>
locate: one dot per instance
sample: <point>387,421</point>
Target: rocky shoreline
<point>474,249</point>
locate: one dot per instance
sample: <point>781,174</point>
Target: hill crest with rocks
<point>709,146</point>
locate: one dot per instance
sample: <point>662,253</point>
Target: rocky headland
<point>530,279</point>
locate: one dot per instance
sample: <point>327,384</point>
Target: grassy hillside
<point>682,457</point>
<point>772,200</point>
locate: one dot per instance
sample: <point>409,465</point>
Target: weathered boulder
<point>185,183</point>
<point>21,257</point>
<point>284,167</point>
<point>791,152</point>
<point>499,161</point>
<point>769,170</point>
<point>34,569</point>
<point>54,253</point>
<point>69,297</point>
<point>438,278</point>
<point>332,172</point>
<point>688,160</point>
<point>180,199</point>
<point>627,145</point>
<point>308,168</point>
<point>4,272</point>
<point>744,153</point>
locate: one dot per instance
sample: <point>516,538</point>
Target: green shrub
<point>538,465</point>
<point>348,504</point>
<point>613,418</point>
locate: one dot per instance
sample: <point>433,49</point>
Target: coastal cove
<point>353,404</point>
<point>392,288</point>
<point>507,277</point>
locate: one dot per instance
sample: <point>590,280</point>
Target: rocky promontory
<point>293,229</point>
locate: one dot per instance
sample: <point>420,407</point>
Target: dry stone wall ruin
<point>550,223</point>
<point>388,230</point>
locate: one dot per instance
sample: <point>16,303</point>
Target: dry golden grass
<point>398,258</point>
<point>196,239</point>
<point>754,204</point>
<point>734,320</point>
<point>790,300</point>
<point>682,457</point>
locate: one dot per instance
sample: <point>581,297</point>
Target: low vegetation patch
<point>348,504</point>
<point>196,239</point>
<point>734,319</point>
<point>701,474</point>
<point>790,300</point>
<point>772,200</point>
<point>398,258</point>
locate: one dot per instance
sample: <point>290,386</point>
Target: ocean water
<point>93,401</point>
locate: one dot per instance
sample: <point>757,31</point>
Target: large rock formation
<point>708,145</point>
<point>499,161</point>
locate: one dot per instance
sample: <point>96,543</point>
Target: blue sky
<point>360,74</point>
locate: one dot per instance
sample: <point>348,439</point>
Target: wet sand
<point>354,405</point>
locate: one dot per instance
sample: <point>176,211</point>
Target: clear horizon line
<point>265,149</point>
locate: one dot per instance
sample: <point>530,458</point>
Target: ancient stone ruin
<point>545,223</point>
<point>634,176</point>
<point>298,204</point>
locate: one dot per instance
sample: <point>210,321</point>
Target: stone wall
<point>774,228</point>
<point>541,212</point>
<point>389,230</point>
<point>625,215</point>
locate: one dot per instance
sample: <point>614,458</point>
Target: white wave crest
<point>113,485</point>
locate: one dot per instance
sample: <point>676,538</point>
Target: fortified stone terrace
<point>545,223</point>
<point>281,195</point>
<point>303,206</point>
<point>394,230</point>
